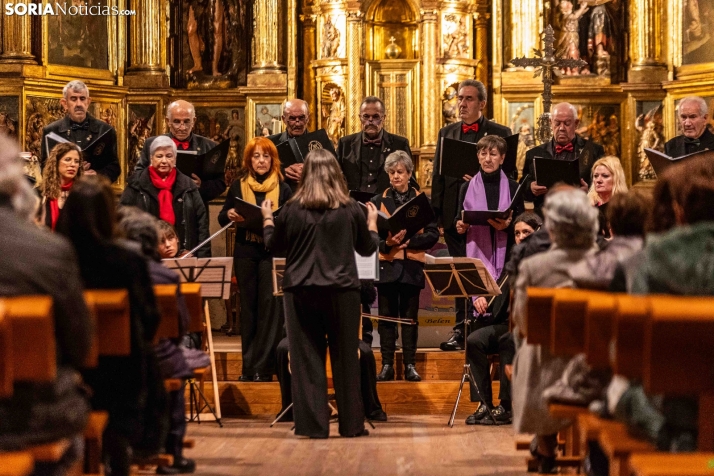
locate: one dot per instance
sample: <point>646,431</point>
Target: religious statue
<point>330,39</point>
<point>450,106</point>
<point>334,116</point>
<point>456,39</point>
<point>525,143</point>
<point>33,137</point>
<point>651,130</point>
<point>109,116</point>
<point>611,137</point>
<point>600,35</point>
<point>140,129</point>
<point>427,170</point>
<point>569,42</point>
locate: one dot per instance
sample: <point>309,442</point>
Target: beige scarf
<point>249,185</point>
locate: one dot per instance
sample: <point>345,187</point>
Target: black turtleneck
<point>260,196</point>
<point>399,197</point>
<point>491,185</point>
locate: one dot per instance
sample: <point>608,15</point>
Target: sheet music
<point>214,274</point>
<point>367,266</point>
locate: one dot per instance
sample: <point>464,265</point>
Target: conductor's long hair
<point>51,180</point>
<point>322,185</point>
<point>267,146</point>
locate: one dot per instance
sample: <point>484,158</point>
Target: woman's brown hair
<point>51,180</point>
<point>267,146</point>
<point>322,185</point>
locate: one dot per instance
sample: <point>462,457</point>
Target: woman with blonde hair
<point>608,179</point>
<point>62,167</point>
<point>320,229</point>
<point>260,312</point>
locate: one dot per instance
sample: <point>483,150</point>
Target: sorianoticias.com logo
<point>73,8</point>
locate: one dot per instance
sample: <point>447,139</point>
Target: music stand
<point>461,277</point>
<point>214,275</point>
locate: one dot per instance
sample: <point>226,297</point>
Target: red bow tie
<point>469,127</point>
<point>182,144</point>
<point>564,148</point>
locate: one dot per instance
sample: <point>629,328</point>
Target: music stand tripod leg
<point>281,414</point>
<point>214,376</point>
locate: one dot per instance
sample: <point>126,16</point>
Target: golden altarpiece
<point>238,60</point>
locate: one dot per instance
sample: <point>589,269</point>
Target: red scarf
<point>54,205</point>
<point>166,198</point>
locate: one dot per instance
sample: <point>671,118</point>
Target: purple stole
<point>479,243</point>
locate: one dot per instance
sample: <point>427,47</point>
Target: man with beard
<point>80,127</point>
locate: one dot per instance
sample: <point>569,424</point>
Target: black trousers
<point>368,380</point>
<point>260,315</point>
<point>398,300</point>
<point>456,244</point>
<point>482,342</point>
<point>177,427</point>
<point>315,315</point>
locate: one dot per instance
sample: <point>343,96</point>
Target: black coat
<point>62,127</point>
<point>209,189</point>
<point>677,147</point>
<point>404,271</point>
<point>587,151</point>
<point>245,248</point>
<point>191,217</point>
<point>348,155</point>
<point>444,189</point>
<point>279,139</point>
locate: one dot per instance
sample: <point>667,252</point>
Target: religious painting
<point>710,123</point>
<point>450,104</point>
<point>332,36</point>
<point>9,116</point>
<point>79,40</point>
<point>142,125</point>
<point>107,112</point>
<point>454,36</point>
<point>600,123</point>
<point>40,112</point>
<point>333,111</point>
<point>697,31</point>
<point>212,44</point>
<point>649,125</point>
<point>522,122</point>
<point>223,123</point>
<point>267,119</point>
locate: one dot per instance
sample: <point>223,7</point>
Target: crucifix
<point>547,65</point>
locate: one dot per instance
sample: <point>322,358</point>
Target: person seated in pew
<point>175,361</point>
<point>169,246</point>
<point>128,387</point>
<point>608,179</point>
<point>490,335</point>
<point>627,215</point>
<point>40,263</point>
<point>572,225</point>
<point>62,168</point>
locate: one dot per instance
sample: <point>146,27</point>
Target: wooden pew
<point>539,310</point>
<point>18,463</point>
<point>168,308</point>
<point>192,294</point>
<point>668,464</point>
<point>6,358</point>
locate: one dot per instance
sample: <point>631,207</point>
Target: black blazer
<point>677,147</point>
<point>62,127</point>
<point>348,155</point>
<point>587,151</point>
<point>404,271</point>
<point>444,189</point>
<point>209,189</point>
<point>279,139</point>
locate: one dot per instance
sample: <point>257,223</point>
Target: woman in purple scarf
<point>490,189</point>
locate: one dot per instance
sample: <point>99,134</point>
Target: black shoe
<point>386,374</point>
<point>500,414</point>
<point>262,378</point>
<point>377,415</point>
<point>546,464</point>
<point>364,432</point>
<point>455,342</point>
<point>245,378</point>
<point>411,374</point>
<point>476,417</point>
<point>180,466</point>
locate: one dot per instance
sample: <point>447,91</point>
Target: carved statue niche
<point>450,104</point>
<point>650,126</point>
<point>387,19</point>
<point>569,41</point>
<point>216,33</point>
<point>456,38</point>
<point>333,112</point>
<point>330,38</point>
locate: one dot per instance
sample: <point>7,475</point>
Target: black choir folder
<point>252,214</point>
<point>481,217</point>
<point>295,149</point>
<point>661,161</point>
<point>412,216</point>
<point>361,197</point>
<point>459,158</point>
<point>210,165</point>
<point>548,172</point>
<point>99,153</point>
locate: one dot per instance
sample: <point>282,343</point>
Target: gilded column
<point>266,45</point>
<point>524,26</point>
<point>647,54</point>
<point>355,91</point>
<point>146,38</point>
<point>430,88</point>
<point>481,21</point>
<point>308,71</point>
<point>17,39</point>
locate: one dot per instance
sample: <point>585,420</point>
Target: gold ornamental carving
<point>146,36</point>
<point>524,24</point>
<point>354,70</point>
<point>266,45</point>
<point>647,51</point>
<point>430,124</point>
<point>17,39</point>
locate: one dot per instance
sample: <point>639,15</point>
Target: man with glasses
<point>82,128</point>
<point>296,115</point>
<point>180,119</point>
<point>362,155</point>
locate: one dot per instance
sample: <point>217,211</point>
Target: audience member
<point>608,179</point>
<point>62,167</point>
